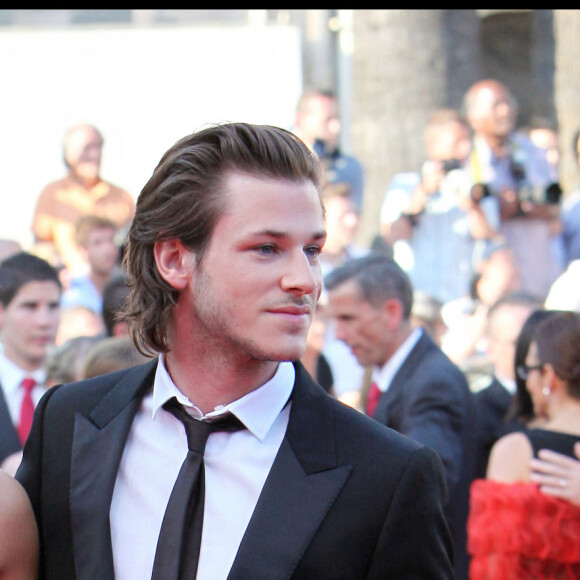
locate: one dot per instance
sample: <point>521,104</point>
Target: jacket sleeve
<point>415,542</point>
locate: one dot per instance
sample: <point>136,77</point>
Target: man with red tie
<point>29,315</point>
<point>416,389</point>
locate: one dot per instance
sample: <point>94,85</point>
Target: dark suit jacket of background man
<point>346,498</point>
<point>430,401</point>
<point>9,441</point>
<point>492,404</point>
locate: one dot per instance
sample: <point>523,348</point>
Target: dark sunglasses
<point>523,371</point>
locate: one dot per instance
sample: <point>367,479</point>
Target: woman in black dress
<point>514,530</point>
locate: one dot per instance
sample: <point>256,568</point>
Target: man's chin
<point>286,354</point>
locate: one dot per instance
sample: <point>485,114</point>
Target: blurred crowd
<point>473,245</point>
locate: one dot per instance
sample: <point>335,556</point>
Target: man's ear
<point>174,262</point>
<point>392,310</point>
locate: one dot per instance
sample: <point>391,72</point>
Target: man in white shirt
<point>29,315</point>
<point>223,255</point>
<point>95,236</point>
<point>416,389</point>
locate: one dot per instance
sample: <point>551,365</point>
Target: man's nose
<point>302,276</point>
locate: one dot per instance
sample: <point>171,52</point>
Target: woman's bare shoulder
<point>18,531</point>
<point>509,459</point>
<point>13,498</point>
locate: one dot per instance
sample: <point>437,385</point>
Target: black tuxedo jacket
<point>9,440</point>
<point>430,401</point>
<point>492,405</point>
<point>345,498</point>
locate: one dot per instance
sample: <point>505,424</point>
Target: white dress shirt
<point>384,375</point>
<point>236,467</point>
<point>11,376</point>
<point>508,384</point>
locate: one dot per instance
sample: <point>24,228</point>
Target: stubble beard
<point>219,336</point>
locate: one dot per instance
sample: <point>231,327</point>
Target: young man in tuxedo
<point>223,254</point>
<point>30,293</point>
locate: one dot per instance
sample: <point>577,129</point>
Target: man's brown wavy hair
<point>185,197</point>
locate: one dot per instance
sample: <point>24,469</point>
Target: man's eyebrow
<point>280,235</point>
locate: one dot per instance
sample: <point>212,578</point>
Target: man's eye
<point>267,249</point>
<point>313,251</point>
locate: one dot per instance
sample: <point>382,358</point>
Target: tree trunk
<point>567,92</point>
<point>401,72</point>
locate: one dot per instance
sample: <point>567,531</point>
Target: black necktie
<point>177,552</point>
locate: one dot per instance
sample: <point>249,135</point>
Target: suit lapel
<point>385,405</point>
<point>9,441</point>
<point>303,483</point>
<point>99,440</point>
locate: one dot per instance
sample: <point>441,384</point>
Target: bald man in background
<point>81,192</point>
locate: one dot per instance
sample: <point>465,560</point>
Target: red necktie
<point>373,399</point>
<point>26,409</point>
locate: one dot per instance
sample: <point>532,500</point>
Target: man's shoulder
<point>116,191</point>
<point>493,395</point>
<point>431,364</point>
<point>56,185</point>
<point>344,160</point>
<point>363,435</point>
<point>357,434</point>
<point>84,394</point>
<point>432,352</point>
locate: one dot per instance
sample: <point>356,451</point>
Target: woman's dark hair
<point>558,342</point>
<point>522,408</point>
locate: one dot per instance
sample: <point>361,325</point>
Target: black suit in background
<point>9,440</point>
<point>492,404</point>
<point>430,401</point>
<point>346,498</point>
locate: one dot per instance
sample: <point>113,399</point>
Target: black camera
<point>450,165</point>
<point>458,182</point>
<point>551,194</point>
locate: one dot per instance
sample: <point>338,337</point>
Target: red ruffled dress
<point>515,532</point>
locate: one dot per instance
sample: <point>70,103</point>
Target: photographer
<point>438,221</point>
<point>518,174</point>
<point>317,123</point>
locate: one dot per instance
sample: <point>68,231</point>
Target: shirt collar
<point>11,375</point>
<point>508,384</point>
<point>257,410</point>
<point>383,376</point>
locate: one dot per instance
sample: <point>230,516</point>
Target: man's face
<point>495,111</point>
<point>449,142</point>
<point>321,121</point>
<point>341,222</point>
<point>362,326</point>
<point>101,250</point>
<point>29,323</point>
<point>83,149</point>
<point>504,327</point>
<point>255,291</point>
